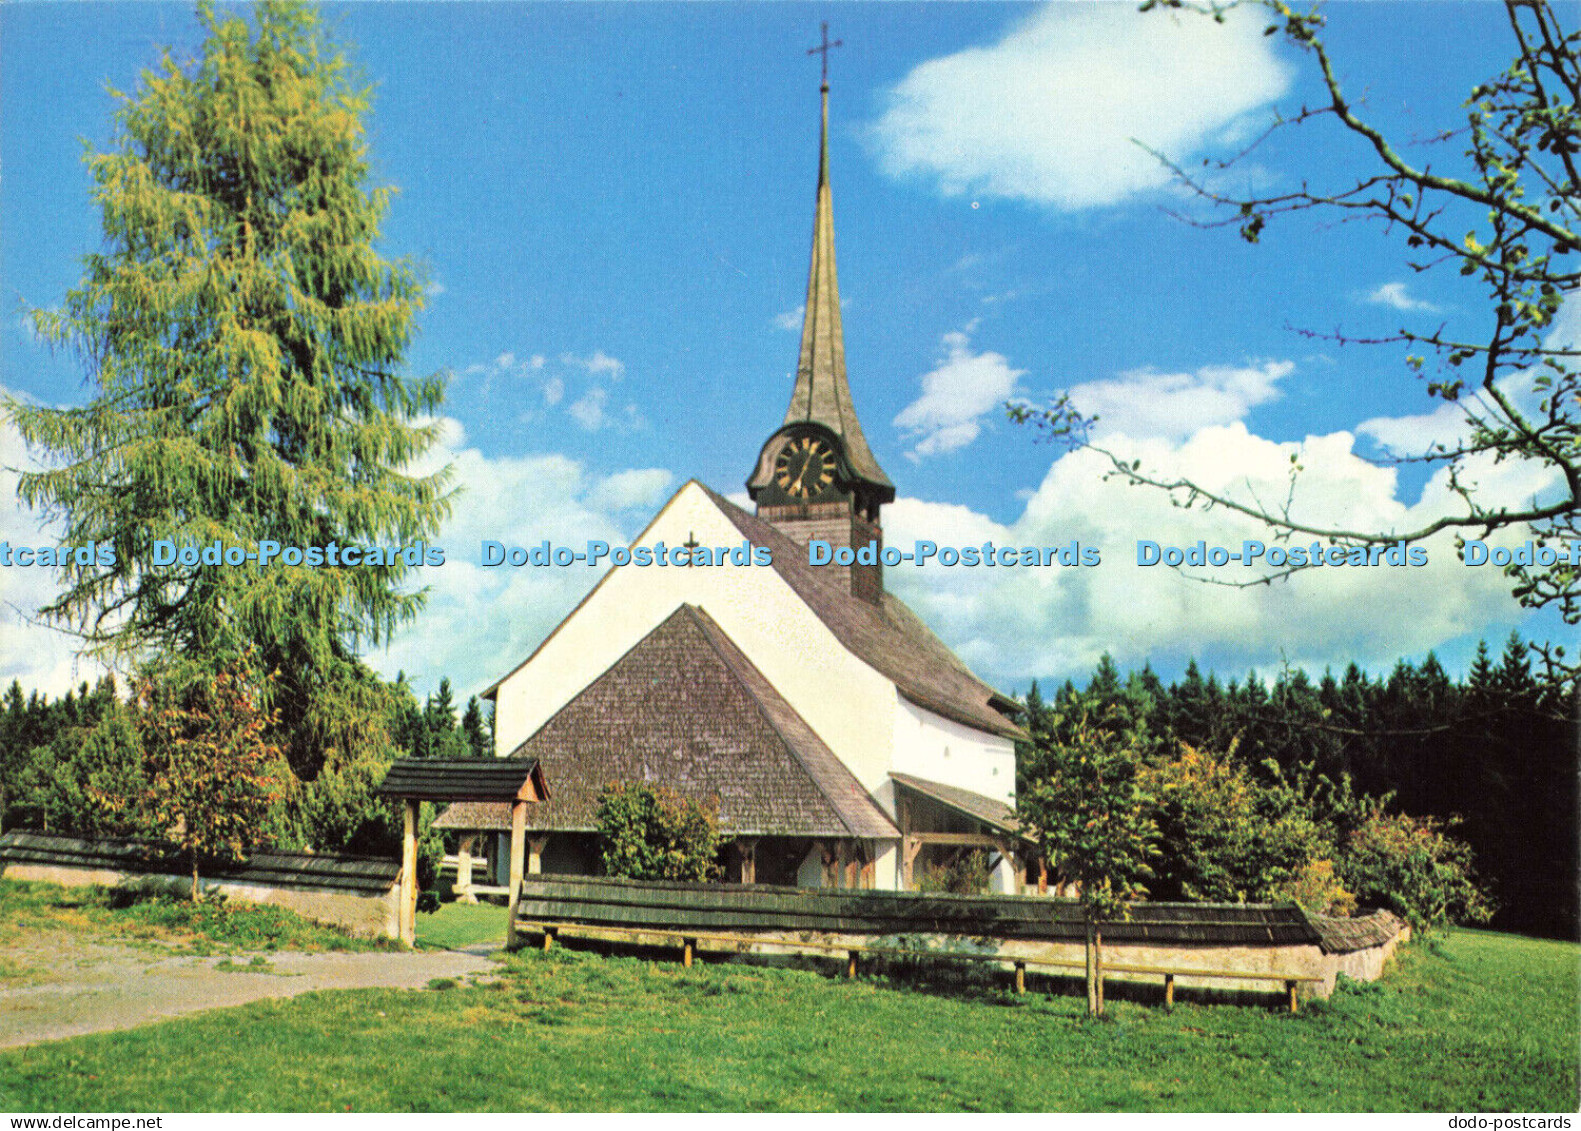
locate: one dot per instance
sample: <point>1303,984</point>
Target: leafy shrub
<point>1317,887</point>
<point>965,875</point>
<point>1085,800</point>
<point>1228,837</point>
<point>648,832</point>
<point>1413,867</point>
<point>207,759</point>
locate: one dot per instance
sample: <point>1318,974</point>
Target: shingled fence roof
<point>684,708</point>
<point>141,857</point>
<point>596,901</point>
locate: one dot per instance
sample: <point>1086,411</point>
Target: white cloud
<point>1145,402</point>
<point>956,395</point>
<point>600,363</point>
<point>581,384</point>
<point>588,409</point>
<point>1049,113</point>
<point>1397,297</point>
<point>1411,436</point>
<point>631,490</point>
<point>1011,622</point>
<point>792,319</point>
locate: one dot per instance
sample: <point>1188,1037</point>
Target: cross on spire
<point>823,49</point>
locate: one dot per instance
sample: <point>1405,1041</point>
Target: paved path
<point>98,986</point>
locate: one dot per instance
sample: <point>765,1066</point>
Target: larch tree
<point>245,340</point>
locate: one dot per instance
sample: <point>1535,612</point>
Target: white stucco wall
<point>851,706</point>
<point>932,747</point>
<point>886,864</point>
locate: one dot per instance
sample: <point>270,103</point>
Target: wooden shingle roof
<point>684,708</point>
<point>669,905</point>
<point>975,806</point>
<point>464,779</point>
<point>1341,936</point>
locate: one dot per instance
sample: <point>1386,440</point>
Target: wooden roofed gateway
<point>507,781</point>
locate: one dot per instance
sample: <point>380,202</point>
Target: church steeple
<point>816,478</point>
<point>822,395</point>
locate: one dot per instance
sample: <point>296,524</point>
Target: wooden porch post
<point>842,856</point>
<point>1043,875</point>
<point>747,847</point>
<point>535,847</point>
<point>909,850</point>
<point>1016,864</point>
<point>407,917</point>
<point>518,836</point>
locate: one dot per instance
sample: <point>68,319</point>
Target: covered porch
<point>940,824</point>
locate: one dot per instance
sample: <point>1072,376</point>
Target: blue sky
<point>613,205</point>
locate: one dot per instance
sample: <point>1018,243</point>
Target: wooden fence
<point>853,924</point>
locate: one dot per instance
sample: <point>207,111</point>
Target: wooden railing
<point>692,943</point>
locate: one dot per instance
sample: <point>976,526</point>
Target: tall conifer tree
<point>246,341</point>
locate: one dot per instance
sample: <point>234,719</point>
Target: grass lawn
<point>1480,1022</point>
<point>461,924</point>
<point>31,912</point>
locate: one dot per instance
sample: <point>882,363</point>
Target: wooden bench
<point>688,942</point>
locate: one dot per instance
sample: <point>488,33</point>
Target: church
<point>844,743</point>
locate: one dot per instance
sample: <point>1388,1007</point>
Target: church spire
<point>821,395</point>
<point>815,477</point>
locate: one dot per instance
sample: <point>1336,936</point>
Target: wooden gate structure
<point>412,781</point>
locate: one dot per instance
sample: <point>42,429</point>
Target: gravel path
<point>97,986</point>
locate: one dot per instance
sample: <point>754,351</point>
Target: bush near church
<point>649,832</point>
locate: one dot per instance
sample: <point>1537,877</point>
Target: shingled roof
<point>463,779</point>
<point>1341,936</point>
<point>972,805</point>
<point>686,709</point>
<point>892,639</point>
<point>676,906</point>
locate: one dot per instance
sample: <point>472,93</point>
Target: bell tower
<point>815,477</point>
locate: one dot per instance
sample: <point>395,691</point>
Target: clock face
<point>804,467</point>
